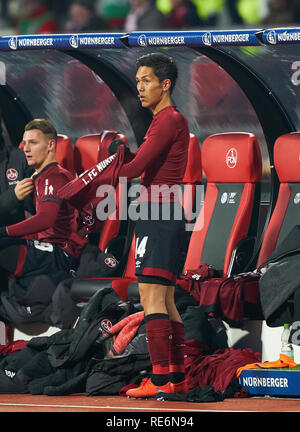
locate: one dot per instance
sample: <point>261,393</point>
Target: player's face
<point>151,90</point>
<point>36,148</point>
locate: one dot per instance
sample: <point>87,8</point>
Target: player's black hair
<point>163,66</point>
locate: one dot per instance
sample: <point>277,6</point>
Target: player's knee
<point>170,296</point>
<point>152,295</point>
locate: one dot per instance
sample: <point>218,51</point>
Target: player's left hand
<point>115,144</point>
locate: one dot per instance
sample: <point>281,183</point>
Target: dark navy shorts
<point>30,258</point>
<point>160,242</point>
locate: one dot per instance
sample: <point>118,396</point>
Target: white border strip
<point>118,407</point>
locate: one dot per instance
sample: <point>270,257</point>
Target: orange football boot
<point>147,389</point>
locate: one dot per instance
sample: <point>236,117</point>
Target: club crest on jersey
<point>12,174</point>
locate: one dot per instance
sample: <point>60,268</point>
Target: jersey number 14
<point>140,247</point>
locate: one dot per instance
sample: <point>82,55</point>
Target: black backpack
<point>103,310</point>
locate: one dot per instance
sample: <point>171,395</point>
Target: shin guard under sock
<point>158,331</point>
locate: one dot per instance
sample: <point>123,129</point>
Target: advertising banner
<point>271,382</point>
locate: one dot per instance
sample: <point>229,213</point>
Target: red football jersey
<point>59,224</point>
<point>162,157</point>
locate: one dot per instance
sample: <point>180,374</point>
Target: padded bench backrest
<point>192,176</point>
<point>287,208</point>
<point>87,149</point>
<point>233,168</point>
<point>65,153</point>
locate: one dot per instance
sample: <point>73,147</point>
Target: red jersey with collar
<point>161,159</point>
<point>55,220</point>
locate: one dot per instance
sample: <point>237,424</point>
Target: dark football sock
<point>176,353</point>
<point>158,330</point>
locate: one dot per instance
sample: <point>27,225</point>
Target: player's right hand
<point>24,188</point>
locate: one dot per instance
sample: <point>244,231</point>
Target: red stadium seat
<point>64,153</point>
<point>193,170</point>
<point>192,176</point>
<point>86,149</point>
<point>84,289</point>
<point>225,230</point>
<point>286,211</point>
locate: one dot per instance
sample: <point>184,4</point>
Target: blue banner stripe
<point>244,37</point>
<point>194,38</point>
<point>66,41</point>
<point>281,36</point>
